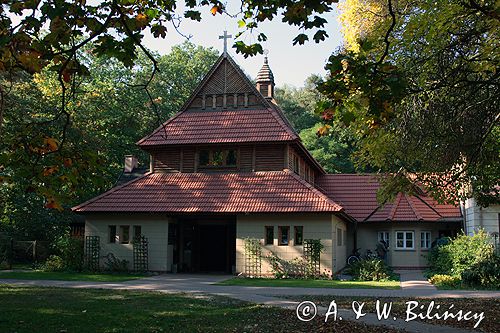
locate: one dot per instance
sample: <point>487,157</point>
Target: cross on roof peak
<point>225,37</point>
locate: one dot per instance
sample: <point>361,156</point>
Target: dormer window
<point>218,158</point>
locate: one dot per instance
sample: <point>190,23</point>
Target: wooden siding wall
<point>304,169</point>
<point>269,157</point>
<point>188,161</point>
<point>167,159</point>
<point>246,158</point>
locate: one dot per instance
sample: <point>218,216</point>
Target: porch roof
<point>257,192</point>
<point>358,196</point>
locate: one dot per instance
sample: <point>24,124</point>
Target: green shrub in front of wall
<point>70,250</point>
<point>484,273</point>
<point>53,263</point>
<point>370,270</point>
<point>443,280</point>
<point>470,259</point>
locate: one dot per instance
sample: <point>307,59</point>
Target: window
<point>217,158</point>
<point>404,240</point>
<point>425,239</point>
<point>112,233</point>
<point>283,235</point>
<point>124,234</point>
<point>204,157</point>
<point>383,236</point>
<point>339,237</point>
<point>231,158</point>
<point>269,236</point>
<point>299,235</point>
<point>137,231</point>
<point>295,163</point>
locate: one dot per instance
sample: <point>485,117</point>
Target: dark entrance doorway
<point>213,248</point>
<point>205,245</point>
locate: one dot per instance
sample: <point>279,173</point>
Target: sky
<point>290,64</point>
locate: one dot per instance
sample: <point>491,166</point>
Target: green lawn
<point>310,283</point>
<point>29,309</point>
<point>67,276</point>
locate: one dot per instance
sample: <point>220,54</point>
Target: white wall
<point>155,228</point>
<point>316,226</point>
<point>477,217</point>
<point>340,243</point>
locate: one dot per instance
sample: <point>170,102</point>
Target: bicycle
<point>356,256</point>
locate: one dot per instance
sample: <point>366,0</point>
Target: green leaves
<point>300,39</point>
<point>248,50</point>
<point>320,35</point>
<point>159,31</point>
<point>193,15</point>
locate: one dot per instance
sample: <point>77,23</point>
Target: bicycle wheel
<point>352,259</point>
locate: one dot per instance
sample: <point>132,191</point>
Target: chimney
<point>265,81</point>
<point>130,163</point>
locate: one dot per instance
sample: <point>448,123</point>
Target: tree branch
<point>388,33</point>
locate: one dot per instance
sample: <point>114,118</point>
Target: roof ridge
<point>395,207</point>
<point>188,101</point>
<point>280,121</point>
<point>314,189</point>
<point>415,210</point>
<point>427,204</point>
<point>162,126</point>
<point>110,191</point>
<point>283,118</point>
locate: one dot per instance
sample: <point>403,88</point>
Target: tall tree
<point>421,87</point>
<point>299,104</point>
<point>422,65</point>
<point>38,36</point>
<point>110,111</point>
<point>334,150</point>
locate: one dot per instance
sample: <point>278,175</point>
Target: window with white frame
<point>425,239</point>
<point>405,240</point>
<point>383,236</point>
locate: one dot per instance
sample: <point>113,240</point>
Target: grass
<point>490,307</point>
<point>69,276</point>
<point>336,284</point>
<point>96,310</point>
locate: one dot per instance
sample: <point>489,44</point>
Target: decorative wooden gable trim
<point>225,87</point>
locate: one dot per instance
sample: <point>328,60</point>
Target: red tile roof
<point>193,127</point>
<point>357,194</point>
<point>259,192</point>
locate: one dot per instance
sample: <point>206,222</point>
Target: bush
<point>485,273</point>
<point>443,280</point>
<point>439,259</point>
<point>471,259</point>
<point>71,251</point>
<point>370,270</point>
<point>114,264</point>
<point>4,265</point>
<point>298,268</point>
<point>54,264</point>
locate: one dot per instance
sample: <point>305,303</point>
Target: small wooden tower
<point>265,80</point>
